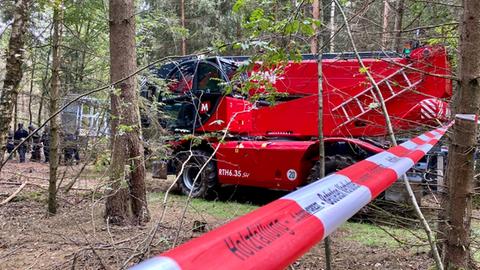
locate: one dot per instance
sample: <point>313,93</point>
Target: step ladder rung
<point>360,104</point>
<point>346,114</point>
<point>370,93</point>
<point>409,83</point>
<point>390,87</point>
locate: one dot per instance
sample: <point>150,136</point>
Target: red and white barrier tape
<point>273,236</point>
<point>469,117</point>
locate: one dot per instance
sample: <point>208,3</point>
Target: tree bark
<point>318,15</point>
<point>386,14</point>
<point>397,46</point>
<point>127,162</point>
<point>332,27</point>
<point>30,98</point>
<point>315,16</point>
<point>14,72</point>
<point>54,97</point>
<point>460,172</point>
<point>182,15</point>
<point>15,113</point>
<point>44,89</point>
<point>40,107</point>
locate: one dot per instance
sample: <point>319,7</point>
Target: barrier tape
<point>469,117</point>
<point>275,235</point>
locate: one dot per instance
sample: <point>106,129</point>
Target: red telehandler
<point>276,146</point>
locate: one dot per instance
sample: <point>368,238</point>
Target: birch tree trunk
<point>14,72</point>
<point>127,171</point>
<point>460,172</point>
<point>386,14</point>
<point>332,27</point>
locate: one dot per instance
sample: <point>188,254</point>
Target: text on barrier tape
<point>275,235</point>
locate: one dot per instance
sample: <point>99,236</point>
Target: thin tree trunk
<point>396,46</point>
<point>182,15</point>
<point>127,163</point>
<point>54,97</point>
<point>317,14</point>
<point>15,113</point>
<point>14,71</point>
<point>332,27</point>
<point>44,89</point>
<point>386,14</point>
<point>40,107</point>
<point>460,172</point>
<point>30,97</point>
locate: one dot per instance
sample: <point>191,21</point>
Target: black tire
<point>332,164</point>
<point>207,180</point>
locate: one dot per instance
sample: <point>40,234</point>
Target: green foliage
<point>447,35</point>
<point>122,129</point>
<point>36,196</point>
<point>271,27</point>
<point>102,162</point>
<point>373,236</point>
<point>363,70</point>
<point>218,209</point>
<point>194,140</point>
<point>208,24</point>
<point>87,47</point>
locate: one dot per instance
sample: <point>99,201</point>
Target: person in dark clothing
<point>10,143</point>
<point>77,152</point>
<point>70,149</point>
<point>36,145</point>
<point>18,138</point>
<point>46,143</point>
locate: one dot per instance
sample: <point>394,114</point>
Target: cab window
<point>209,78</point>
<point>181,78</point>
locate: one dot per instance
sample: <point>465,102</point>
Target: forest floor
<point>78,238</point>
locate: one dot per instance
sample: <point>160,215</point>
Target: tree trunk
<point>44,89</point>
<point>318,15</point>
<point>54,97</point>
<point>14,71</point>
<point>397,46</point>
<point>386,14</point>
<point>127,162</point>
<point>15,113</point>
<point>332,27</point>
<point>461,151</point>
<point>182,15</point>
<point>40,107</point>
<point>32,75</point>
<point>315,16</point>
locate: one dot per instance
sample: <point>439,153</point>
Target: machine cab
<point>193,91</point>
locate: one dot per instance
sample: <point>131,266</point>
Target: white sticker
<point>291,174</point>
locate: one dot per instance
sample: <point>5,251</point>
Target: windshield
<point>195,89</point>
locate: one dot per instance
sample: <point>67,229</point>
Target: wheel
<point>206,180</point>
<point>332,164</point>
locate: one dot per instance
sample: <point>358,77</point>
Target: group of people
<point>38,141</point>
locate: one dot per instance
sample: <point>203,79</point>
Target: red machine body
<point>342,81</point>
<point>276,146</point>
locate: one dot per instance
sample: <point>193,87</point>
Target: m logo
<point>204,107</point>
